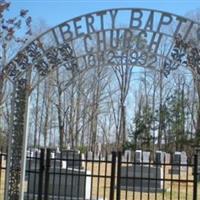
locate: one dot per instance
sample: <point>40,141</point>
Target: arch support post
<point>16,161</point>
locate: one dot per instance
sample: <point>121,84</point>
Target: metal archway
<point>98,34</point>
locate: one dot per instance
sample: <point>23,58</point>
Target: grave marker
<point>141,179</point>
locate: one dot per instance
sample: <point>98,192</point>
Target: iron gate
<point>51,175</point>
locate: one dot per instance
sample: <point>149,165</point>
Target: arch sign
<point>131,36</point>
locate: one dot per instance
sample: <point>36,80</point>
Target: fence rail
<point>70,175</point>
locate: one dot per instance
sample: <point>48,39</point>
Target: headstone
<point>71,158</point>
<point>142,157</point>
<point>53,155</point>
<point>127,156</point>
<point>99,149</point>
<point>138,156</point>
<point>89,155</point>
<point>160,157</point>
<point>57,150</point>
<point>179,162</point>
<point>32,164</point>
<point>32,160</point>
<point>109,157</point>
<point>70,183</point>
<point>82,156</point>
<point>167,158</point>
<point>146,157</point>
<point>28,153</point>
<point>64,164</point>
<point>142,178</point>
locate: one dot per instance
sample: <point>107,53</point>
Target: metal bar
<point>141,180</point>
<point>156,191</point>
<point>195,177</point>
<point>54,170</point>
<point>41,173</point>
<point>187,177</point>
<point>179,178</point>
<point>171,182</point>
<point>66,176</point>
<point>29,174</point>
<point>112,182</point>
<point>60,170</point>
<point>92,175</point>
<point>46,185</point>
<point>119,176</point>
<point>79,174</point>
<point>126,193</point>
<point>105,179</point>
<point>72,177</point>
<point>35,173</point>
<point>149,178</point>
<point>99,171</point>
<point>0,166</point>
<point>164,168</point>
<point>86,165</point>
<point>134,165</point>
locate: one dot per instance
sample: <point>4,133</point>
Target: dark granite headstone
<point>142,178</point>
<point>69,159</point>
<point>138,156</point>
<point>159,158</point>
<point>71,183</point>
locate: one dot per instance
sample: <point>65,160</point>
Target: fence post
<point>41,172</point>
<point>112,182</point>
<point>1,152</point>
<point>195,177</point>
<point>46,184</point>
<point>119,175</point>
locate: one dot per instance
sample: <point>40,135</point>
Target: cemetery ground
<point>128,194</point>
<point>102,170</point>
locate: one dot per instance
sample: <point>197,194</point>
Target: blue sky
<point>54,12</point>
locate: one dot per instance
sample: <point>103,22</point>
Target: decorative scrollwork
<point>12,69</point>
<point>42,67</point>
<point>66,51</point>
<point>184,54</point>
<point>34,51</point>
<point>22,60</point>
<point>53,56</point>
<point>178,56</point>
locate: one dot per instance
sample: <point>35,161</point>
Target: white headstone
<point>99,149</point>
<point>88,185</point>
<point>167,158</point>
<point>127,155</point>
<point>52,155</point>
<point>64,164</point>
<point>146,156</point>
<point>82,156</point>
<point>57,150</point>
<point>89,155</point>
<point>138,156</point>
<point>109,157</point>
<point>183,157</point>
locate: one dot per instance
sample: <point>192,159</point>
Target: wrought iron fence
<point>3,158</point>
<point>71,175</point>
